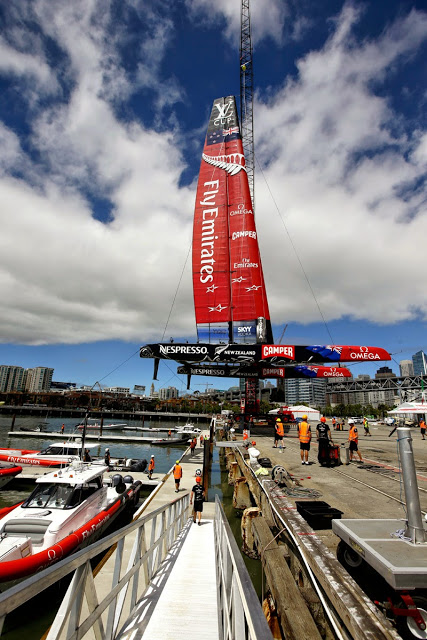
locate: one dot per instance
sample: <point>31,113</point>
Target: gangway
<point>146,577</point>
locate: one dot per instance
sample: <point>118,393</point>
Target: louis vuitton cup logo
<point>231,163</point>
<point>225,114</point>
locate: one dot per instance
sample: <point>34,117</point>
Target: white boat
<point>113,426</point>
<point>68,509</point>
<point>187,428</point>
<point>60,454</point>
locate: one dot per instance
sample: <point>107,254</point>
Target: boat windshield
<point>55,450</point>
<point>54,496</point>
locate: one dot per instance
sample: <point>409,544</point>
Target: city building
<point>38,379</point>
<point>124,391</point>
<point>11,378</point>
<point>419,360</point>
<point>308,392</point>
<point>167,393</point>
<point>406,368</point>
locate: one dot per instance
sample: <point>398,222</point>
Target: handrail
<point>240,613</point>
<point>166,523</point>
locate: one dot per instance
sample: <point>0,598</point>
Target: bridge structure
<point>395,384</point>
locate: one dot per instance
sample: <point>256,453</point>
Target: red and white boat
<point>55,455</point>
<point>68,509</point>
<point>8,472</point>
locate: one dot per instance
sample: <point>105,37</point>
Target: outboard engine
<point>117,481</point>
<point>140,465</point>
<point>128,480</point>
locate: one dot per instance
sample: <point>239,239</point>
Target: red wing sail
<point>229,291</point>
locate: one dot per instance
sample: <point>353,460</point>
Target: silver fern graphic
<point>232,163</point>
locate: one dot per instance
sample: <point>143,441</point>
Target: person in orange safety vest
<point>279,434</point>
<point>423,429</point>
<point>304,435</point>
<point>353,438</point>
<point>177,474</point>
<point>151,466</point>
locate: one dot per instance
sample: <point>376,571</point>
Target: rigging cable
<point>295,252</point>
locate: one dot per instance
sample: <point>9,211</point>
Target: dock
<point>107,436</point>
<point>185,574</point>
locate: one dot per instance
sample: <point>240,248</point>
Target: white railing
<point>105,606</point>
<point>240,613</point>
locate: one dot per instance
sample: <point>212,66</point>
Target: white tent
<point>409,408</point>
<point>300,410</point>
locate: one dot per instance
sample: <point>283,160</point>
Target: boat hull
<point>13,571</point>
<point>7,473</point>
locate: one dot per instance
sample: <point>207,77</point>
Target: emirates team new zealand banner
<point>267,354</point>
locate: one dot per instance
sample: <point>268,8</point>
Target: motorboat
<point>188,428</point>
<point>54,455</point>
<point>63,453</point>
<point>68,509</point>
<point>8,472</point>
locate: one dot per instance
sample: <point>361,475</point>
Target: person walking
<point>193,446</point>
<point>366,427</point>
<point>151,466</point>
<point>169,434</point>
<point>201,440</point>
<point>333,423</point>
<point>324,438</point>
<point>423,429</point>
<point>177,474</point>
<point>353,439</point>
<point>197,493</point>
<point>279,433</point>
<point>304,435</point>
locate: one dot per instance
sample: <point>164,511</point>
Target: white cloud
<point>340,176</point>
<point>67,277</point>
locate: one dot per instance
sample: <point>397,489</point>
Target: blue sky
<point>103,113</point>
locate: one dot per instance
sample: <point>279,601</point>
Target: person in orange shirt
<point>423,429</point>
<point>353,438</point>
<point>304,435</point>
<point>280,432</point>
<point>177,474</point>
<point>151,466</point>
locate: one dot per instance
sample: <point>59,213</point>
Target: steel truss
<point>383,384</point>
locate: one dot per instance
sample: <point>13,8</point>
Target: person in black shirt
<point>197,493</point>
<point>324,438</point>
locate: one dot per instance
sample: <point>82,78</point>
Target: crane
<point>246,94</point>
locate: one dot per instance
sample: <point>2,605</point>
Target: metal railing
<point>240,613</point>
<point>73,620</point>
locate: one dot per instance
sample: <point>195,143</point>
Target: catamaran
<point>234,334</point>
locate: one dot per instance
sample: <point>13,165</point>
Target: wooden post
<point>13,421</point>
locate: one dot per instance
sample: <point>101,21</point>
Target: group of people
<point>324,439</point>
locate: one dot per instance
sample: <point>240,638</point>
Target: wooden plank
<point>296,619</point>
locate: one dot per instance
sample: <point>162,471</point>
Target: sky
<point>103,113</point>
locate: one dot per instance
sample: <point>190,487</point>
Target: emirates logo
<point>232,163</point>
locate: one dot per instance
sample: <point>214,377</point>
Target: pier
<point>163,565</point>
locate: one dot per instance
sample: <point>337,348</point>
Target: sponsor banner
<point>273,355</point>
<point>213,333</point>
<point>278,351</point>
<point>244,332</point>
<point>219,371</point>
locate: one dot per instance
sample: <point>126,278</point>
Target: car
<point>357,420</point>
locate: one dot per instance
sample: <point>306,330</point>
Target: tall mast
<point>246,94</point>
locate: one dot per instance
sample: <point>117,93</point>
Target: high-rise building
<point>12,378</point>
<point>406,368</point>
<point>38,379</point>
<point>419,360</point>
<point>308,392</point>
<point>168,393</point>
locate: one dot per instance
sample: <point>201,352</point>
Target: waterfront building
<point>124,391</point>
<point>419,360</point>
<point>38,379</point>
<point>406,368</point>
<point>11,378</point>
<point>167,393</point>
<point>310,392</point>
